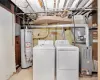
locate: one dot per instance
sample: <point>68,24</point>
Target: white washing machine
<point>67,61</point>
<point>44,62</point>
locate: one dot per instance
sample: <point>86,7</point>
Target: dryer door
<point>67,59</point>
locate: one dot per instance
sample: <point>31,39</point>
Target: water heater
<point>26,48</point>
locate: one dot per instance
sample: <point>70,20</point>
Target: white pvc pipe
<point>60,26</point>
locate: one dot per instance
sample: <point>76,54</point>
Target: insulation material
<point>52,20</point>
<point>51,34</point>
<point>69,36</point>
<point>40,33</point>
<point>82,3</point>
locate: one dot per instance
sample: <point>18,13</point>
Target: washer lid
<point>44,47</point>
<point>45,42</point>
<point>67,47</point>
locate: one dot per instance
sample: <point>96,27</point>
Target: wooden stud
<point>98,40</point>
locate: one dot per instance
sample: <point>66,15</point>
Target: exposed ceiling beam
<point>93,5</point>
<point>43,5</point>
<point>46,5</point>
<point>66,7</point>
<point>79,3</point>
<point>83,2</point>
<point>70,3</point>
<point>54,4</point>
<point>30,6</point>
<point>75,3</point>
<point>88,3</point>
<point>64,3</point>
<point>58,4</point>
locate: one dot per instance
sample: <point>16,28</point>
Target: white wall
<point>17,29</point>
<point>7,44</point>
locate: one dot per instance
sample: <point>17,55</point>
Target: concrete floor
<point>26,74</point>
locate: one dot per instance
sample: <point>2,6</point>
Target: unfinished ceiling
<point>52,20</point>
<point>30,6</point>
